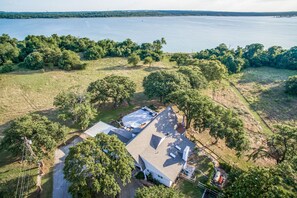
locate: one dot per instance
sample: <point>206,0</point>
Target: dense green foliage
<point>222,123</point>
<point>196,78</point>
<point>281,146</point>
<point>213,70</point>
<point>70,61</point>
<point>116,89</point>
<point>272,182</point>
<point>44,134</point>
<point>94,53</point>
<point>291,85</point>
<point>27,15</point>
<point>75,107</point>
<point>158,191</point>
<point>181,59</point>
<point>148,60</point>
<point>34,61</point>
<point>253,55</point>
<point>41,52</point>
<point>190,102</point>
<point>161,83</point>
<point>98,165</point>
<point>134,59</point>
<point>225,124</point>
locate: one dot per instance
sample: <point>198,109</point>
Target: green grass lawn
<point>26,91</point>
<point>189,189</point>
<point>264,90</point>
<point>33,91</point>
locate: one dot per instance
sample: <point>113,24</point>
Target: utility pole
<point>39,163</point>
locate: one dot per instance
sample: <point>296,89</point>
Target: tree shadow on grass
<point>153,68</point>
<point>121,67</point>
<point>25,187</point>
<point>264,75</point>
<point>7,158</point>
<point>276,105</point>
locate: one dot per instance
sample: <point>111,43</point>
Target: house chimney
<point>186,153</point>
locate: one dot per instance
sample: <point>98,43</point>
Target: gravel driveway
<point>60,189</point>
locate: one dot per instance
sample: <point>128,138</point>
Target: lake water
<point>183,34</point>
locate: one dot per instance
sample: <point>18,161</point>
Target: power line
<point>24,178</point>
<point>21,170</point>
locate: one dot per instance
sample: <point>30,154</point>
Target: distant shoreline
<point>138,13</point>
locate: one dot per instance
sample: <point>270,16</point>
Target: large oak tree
<point>98,165</point>
<point>44,134</point>
<point>161,83</point>
<point>117,89</point>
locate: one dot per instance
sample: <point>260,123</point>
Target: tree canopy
<point>41,52</point>
<point>291,85</point>
<point>34,61</point>
<point>281,146</point>
<point>133,59</point>
<point>264,182</point>
<point>94,53</point>
<point>222,123</point>
<point>190,102</point>
<point>117,89</point>
<point>75,107</point>
<point>180,59</point>
<point>213,70</point>
<point>69,60</point>
<point>98,165</point>
<point>44,134</point>
<point>162,83</point>
<point>148,60</point>
<point>225,124</point>
<point>196,78</point>
<point>158,192</point>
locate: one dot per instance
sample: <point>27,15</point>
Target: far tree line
<point>65,52</point>
<point>253,55</point>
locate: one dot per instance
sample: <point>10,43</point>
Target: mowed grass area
<point>189,189</point>
<point>264,90</point>
<point>25,92</point>
<point>33,91</point>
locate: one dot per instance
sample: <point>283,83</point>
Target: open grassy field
<point>23,92</point>
<point>264,90</point>
<point>33,91</point>
<point>259,100</point>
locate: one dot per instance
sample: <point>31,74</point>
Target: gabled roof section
<point>123,135</point>
<point>100,127</point>
<point>157,141</point>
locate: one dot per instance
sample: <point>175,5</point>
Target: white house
<point>161,150</point>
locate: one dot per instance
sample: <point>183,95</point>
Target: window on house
<point>160,176</point>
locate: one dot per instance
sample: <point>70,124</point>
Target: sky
<point>99,5</point>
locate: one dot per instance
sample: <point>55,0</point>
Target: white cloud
<point>85,5</point>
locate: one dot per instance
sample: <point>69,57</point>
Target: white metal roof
<point>138,118</point>
<point>100,127</point>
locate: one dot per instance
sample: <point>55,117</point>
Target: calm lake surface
<point>183,34</point>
